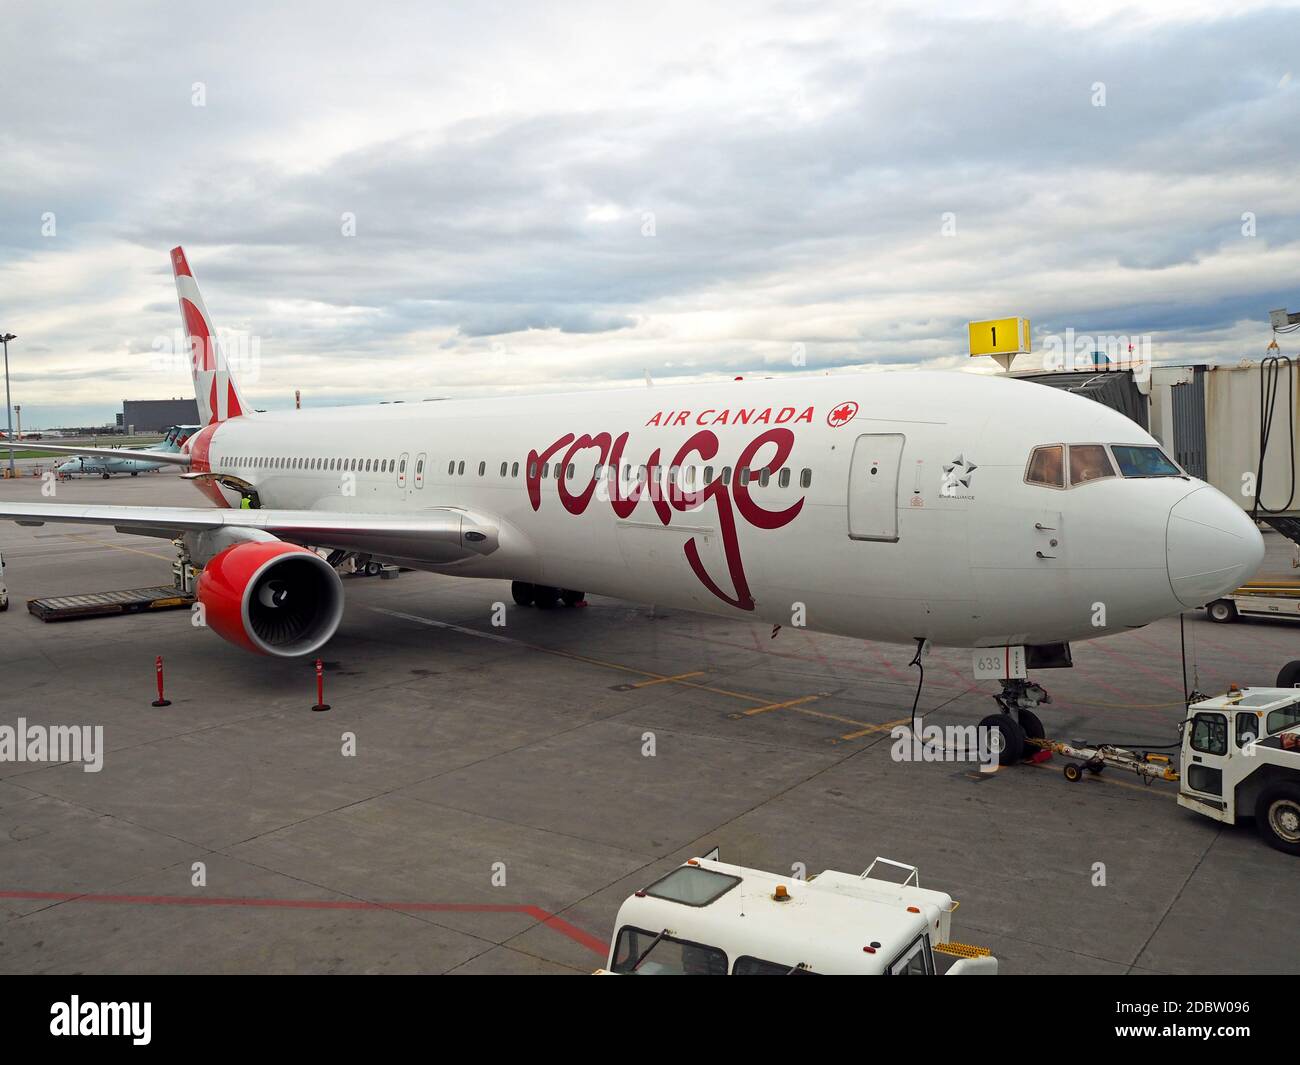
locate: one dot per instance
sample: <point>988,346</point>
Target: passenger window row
<point>685,477</point>
<point>288,462</point>
<point>688,478</point>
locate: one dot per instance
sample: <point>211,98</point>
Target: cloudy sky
<point>559,196</point>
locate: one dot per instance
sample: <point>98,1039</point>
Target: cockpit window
<point>1088,462</point>
<point>1047,466</point>
<point>1136,461</point>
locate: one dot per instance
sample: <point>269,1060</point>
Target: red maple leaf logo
<point>842,414</point>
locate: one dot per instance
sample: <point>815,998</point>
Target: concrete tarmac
<point>479,799</point>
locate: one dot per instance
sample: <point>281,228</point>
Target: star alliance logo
<point>956,475</point>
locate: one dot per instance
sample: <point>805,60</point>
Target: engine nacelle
<point>271,597</point>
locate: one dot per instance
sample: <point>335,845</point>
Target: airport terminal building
<point>156,415</point>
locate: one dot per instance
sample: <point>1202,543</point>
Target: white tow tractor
<point>708,918</point>
<point>1240,758</point>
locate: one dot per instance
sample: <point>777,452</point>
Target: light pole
<point>9,411</point>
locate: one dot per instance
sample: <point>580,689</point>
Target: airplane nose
<point>1211,545</point>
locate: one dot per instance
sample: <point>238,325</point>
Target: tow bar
<point>1144,764</point>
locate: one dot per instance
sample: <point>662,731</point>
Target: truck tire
<point>1222,611</point>
<point>1277,813</point>
<point>1013,737</point>
<point>1289,677</point>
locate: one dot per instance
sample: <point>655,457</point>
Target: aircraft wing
<point>171,458</point>
<point>443,534</point>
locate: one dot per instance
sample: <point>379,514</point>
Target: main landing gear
<point>1021,698</point>
<point>544,596</point>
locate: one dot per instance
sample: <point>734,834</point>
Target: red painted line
<point>559,924</point>
<point>1176,685</point>
<point>538,914</point>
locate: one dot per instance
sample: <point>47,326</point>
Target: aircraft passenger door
<point>419,469</point>
<point>873,487</point>
<point>402,460</point>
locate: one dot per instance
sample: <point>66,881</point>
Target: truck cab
<point>1241,758</point>
<point>708,918</point>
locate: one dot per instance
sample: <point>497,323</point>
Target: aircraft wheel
<point>104,475</point>
<point>1222,611</point>
<point>1032,726</point>
<point>545,597</point>
<point>1289,677</point>
<point>1013,737</point>
<point>522,592</point>
<point>135,473</point>
<point>1278,816</point>
<point>570,597</point>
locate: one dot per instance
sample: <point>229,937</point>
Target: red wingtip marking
<point>212,403</point>
<point>180,267</point>
<point>233,409</point>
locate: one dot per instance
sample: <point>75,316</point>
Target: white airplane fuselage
<point>917,519</point>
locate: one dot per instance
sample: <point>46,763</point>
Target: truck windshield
<point>658,954</point>
<point>1136,461</point>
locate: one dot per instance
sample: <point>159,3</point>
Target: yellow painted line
<point>632,669</point>
<point>566,654</point>
<point>865,728</point>
<point>1092,778</point>
<point>115,547</point>
<point>781,706</point>
<point>874,728</point>
<point>665,680</point>
<point>797,705</point>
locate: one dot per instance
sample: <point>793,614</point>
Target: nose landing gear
<point>1019,698</point>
